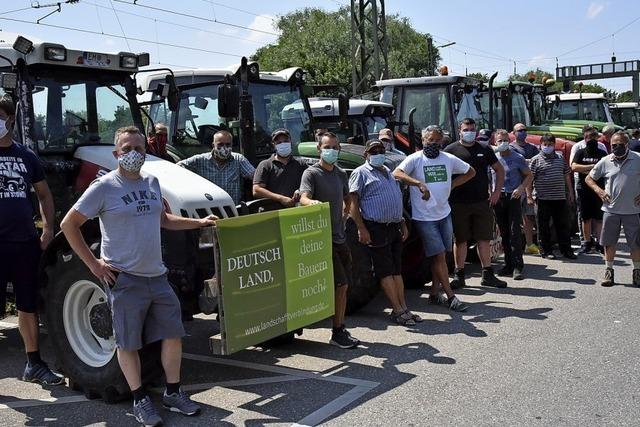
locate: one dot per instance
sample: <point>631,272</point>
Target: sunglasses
<point>617,145</point>
<point>431,128</point>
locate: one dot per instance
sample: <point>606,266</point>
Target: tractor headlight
<point>55,53</point>
<point>128,61</point>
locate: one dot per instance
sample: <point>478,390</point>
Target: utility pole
<point>369,44</point>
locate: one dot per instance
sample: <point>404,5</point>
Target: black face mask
<point>592,144</point>
<point>619,150</point>
<point>431,150</point>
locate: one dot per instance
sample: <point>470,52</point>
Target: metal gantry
<point>369,44</point>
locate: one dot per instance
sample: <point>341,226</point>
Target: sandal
<point>415,317</point>
<point>404,319</point>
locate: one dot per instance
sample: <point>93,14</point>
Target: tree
<point>483,77</point>
<point>320,43</point>
<point>626,96</point>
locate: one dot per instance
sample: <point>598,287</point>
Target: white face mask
<point>469,136</point>
<point>3,128</point>
<point>131,161</point>
<point>502,146</point>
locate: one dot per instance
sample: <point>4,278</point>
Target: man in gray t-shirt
<point>325,182</point>
<point>143,305</point>
<point>620,202</point>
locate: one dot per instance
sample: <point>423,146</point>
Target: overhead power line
<point>120,24</point>
<point>215,21</point>
<point>238,9</point>
<point>62,27</point>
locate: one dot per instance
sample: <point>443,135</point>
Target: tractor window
<point>432,107</point>
<point>374,125</point>
<point>519,109</point>
<point>538,108</point>
<point>268,103</point>
<point>593,109</point>
<point>198,108</point>
<point>567,110</point>
<point>113,111</point>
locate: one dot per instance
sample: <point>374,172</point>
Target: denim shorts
<point>437,236</point>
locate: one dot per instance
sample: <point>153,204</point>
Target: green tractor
<point>578,109</point>
<point>626,114</point>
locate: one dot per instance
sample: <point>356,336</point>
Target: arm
<point>306,200</point>
<point>526,184</point>
<point>47,211</point>
<point>499,170</point>
<point>569,188</point>
<point>70,226</point>
<point>173,222</point>
<point>246,168</point>
<point>461,179</point>
<point>260,191</point>
<point>402,176</point>
<point>583,169</point>
<point>597,189</point>
<point>363,233</point>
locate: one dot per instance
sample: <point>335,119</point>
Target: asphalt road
<point>556,349</point>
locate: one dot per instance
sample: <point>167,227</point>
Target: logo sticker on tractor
<point>208,196</point>
<point>435,173</point>
<point>94,59</point>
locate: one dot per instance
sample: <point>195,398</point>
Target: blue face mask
<point>283,149</point>
<point>376,160</point>
<point>521,135</point>
<point>469,136</point>
<point>329,155</point>
<point>548,149</point>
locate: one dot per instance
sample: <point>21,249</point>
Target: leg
<point>528,229</point>
<point>544,232</point>
<point>611,225</point>
<point>440,273</point>
<point>129,361</point>
<point>460,254</point>
<point>171,356</point>
<point>28,327</point>
<point>390,289</point>
<point>484,253</point>
<point>340,306</point>
<point>502,219</point>
<point>560,215</point>
<point>398,283</point>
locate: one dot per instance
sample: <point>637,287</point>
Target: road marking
<point>41,402</point>
<point>333,407</point>
<point>270,399</point>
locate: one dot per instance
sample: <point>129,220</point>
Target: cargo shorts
<point>144,310</point>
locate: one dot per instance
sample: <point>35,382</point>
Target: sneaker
<point>569,255</point>
<point>517,274</point>
<point>440,299</point>
<point>458,281</point>
<point>146,413</point>
<point>548,255</point>
<point>343,339</point>
<point>456,305</point>
<point>586,248</point>
<point>489,279</point>
<point>505,271</point>
<point>598,248</point>
<point>532,249</point>
<point>180,402</point>
<point>40,373</point>
<point>608,279</point>
<point>636,277</point>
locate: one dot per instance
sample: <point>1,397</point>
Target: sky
<point>490,35</point>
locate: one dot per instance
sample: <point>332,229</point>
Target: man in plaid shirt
<point>221,166</point>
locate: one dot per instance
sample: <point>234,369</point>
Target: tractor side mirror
<point>201,103</point>
<point>228,101</point>
<point>343,107</point>
<point>172,93</point>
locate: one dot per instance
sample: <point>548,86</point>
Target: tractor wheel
<point>416,268</point>
<point>364,286</point>
<point>78,320</point>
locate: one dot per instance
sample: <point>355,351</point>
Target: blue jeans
<point>437,236</point>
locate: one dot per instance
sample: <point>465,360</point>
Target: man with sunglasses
<point>222,166</point>
<point>620,203</point>
<point>376,208</point>
<point>278,177</point>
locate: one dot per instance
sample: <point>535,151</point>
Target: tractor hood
<point>351,155</point>
<point>187,193</point>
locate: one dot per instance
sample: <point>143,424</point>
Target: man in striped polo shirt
<point>376,208</point>
<point>552,184</point>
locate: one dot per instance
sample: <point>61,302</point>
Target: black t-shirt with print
<point>586,156</point>
<point>480,158</point>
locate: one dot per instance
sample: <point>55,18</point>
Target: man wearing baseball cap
<point>278,177</point>
<point>376,208</point>
<point>386,137</point>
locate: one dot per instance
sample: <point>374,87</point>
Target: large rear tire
<point>78,320</point>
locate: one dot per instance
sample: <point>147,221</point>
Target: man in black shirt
<point>278,177</point>
<point>589,203</point>
<point>471,204</point>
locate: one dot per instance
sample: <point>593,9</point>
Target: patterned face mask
<point>223,152</point>
<point>431,149</point>
<point>131,161</point>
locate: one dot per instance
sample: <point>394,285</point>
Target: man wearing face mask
<point>158,142</point>
<point>471,204</point>
<point>620,202</point>
<point>508,210</point>
<point>589,204</point>
<point>430,174</point>
<point>278,177</point>
<point>528,151</point>
<point>552,183</point>
<point>386,136</point>
<point>144,307</point>
<point>20,246</point>
<point>222,166</point>
<point>376,208</point>
<point>326,182</point>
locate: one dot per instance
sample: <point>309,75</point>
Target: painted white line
<point>280,370</point>
<point>235,383</point>
<point>42,402</point>
<point>270,399</point>
<point>333,407</point>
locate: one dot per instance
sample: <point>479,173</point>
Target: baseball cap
<point>282,131</point>
<point>373,143</point>
<point>484,135</point>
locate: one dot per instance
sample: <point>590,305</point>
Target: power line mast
<point>369,44</point>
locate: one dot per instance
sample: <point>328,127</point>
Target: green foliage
<point>320,42</point>
<point>625,97</point>
<point>483,77</point>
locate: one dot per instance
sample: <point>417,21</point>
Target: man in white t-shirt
<point>429,172</point>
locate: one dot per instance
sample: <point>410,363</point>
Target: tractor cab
<point>626,114</point>
<point>210,100</point>
<point>586,107</point>
<point>422,101</point>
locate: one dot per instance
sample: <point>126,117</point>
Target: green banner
<point>275,274</point>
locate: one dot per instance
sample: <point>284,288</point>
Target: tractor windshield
<point>432,104</point>
<point>581,109</point>
<point>629,117</point>
<point>519,109</point>
<point>77,108</point>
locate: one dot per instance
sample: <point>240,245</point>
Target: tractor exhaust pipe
<point>491,79</point>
